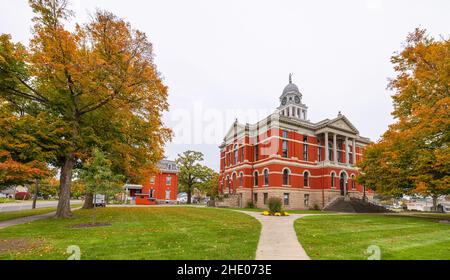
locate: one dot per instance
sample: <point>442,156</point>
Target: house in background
<point>159,188</point>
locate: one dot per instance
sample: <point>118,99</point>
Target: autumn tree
<point>413,155</point>
<point>98,82</point>
<point>192,174</point>
<point>27,145</point>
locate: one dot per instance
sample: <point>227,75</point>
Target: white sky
<point>220,56</point>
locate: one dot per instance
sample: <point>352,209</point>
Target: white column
<point>326,146</point>
<point>335,148</point>
<point>354,151</point>
<point>347,158</point>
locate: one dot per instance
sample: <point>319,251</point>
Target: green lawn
<point>138,233</point>
<point>4,216</point>
<point>348,237</point>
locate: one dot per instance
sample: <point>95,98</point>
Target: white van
<point>99,200</point>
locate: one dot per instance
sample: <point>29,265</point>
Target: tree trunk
<point>63,209</point>
<point>189,193</point>
<point>88,201</point>
<point>435,199</point>
<point>35,195</point>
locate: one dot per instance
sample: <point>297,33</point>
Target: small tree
<point>192,174</point>
<point>98,177</point>
<point>210,182</point>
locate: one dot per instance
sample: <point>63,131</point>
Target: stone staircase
<point>353,205</point>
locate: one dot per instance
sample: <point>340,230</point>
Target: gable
<point>238,129</point>
<point>344,124</point>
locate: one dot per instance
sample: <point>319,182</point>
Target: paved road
<point>278,240</point>
<point>8,207</point>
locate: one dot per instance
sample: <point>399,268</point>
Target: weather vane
<point>290,78</point>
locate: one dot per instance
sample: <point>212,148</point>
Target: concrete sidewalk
<point>24,220</point>
<point>29,219</point>
<point>278,240</point>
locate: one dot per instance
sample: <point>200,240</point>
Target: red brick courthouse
<point>286,155</point>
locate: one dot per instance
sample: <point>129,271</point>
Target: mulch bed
<point>90,225</point>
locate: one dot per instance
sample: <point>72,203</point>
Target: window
<point>350,154</point>
<point>242,154</point>
<point>330,151</point>
<point>241,179</point>
<point>319,152</point>
<point>285,152</point>
<point>306,200</point>
<point>256,152</point>
<point>168,194</point>
<point>305,148</point>
<point>333,176</point>
<point>285,148</point>
<point>298,113</point>
<point>256,178</point>
<point>266,196</point>
<point>286,177</point>
<point>224,162</point>
<point>266,177</point>
<point>286,199</point>
<point>353,182</point>
<point>235,156</point>
<point>306,179</point>
<point>152,180</point>
<point>168,181</point>
<point>152,193</point>
<point>255,198</point>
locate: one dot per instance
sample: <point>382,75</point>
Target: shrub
<point>275,204</point>
<point>22,196</point>
<point>250,204</point>
<point>316,207</point>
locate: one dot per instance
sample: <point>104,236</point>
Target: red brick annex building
<point>285,155</point>
<point>159,188</point>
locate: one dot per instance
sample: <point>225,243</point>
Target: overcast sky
<point>231,59</point>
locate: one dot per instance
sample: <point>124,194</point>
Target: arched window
<point>333,176</point>
<point>255,177</point>
<point>234,180</point>
<point>286,177</point>
<point>266,177</point>
<point>306,179</point>
<point>353,182</point>
<point>241,179</point>
<point>235,159</point>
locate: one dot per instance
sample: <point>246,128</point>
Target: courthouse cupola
<point>291,102</point>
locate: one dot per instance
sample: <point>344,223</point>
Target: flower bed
<point>276,214</point>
